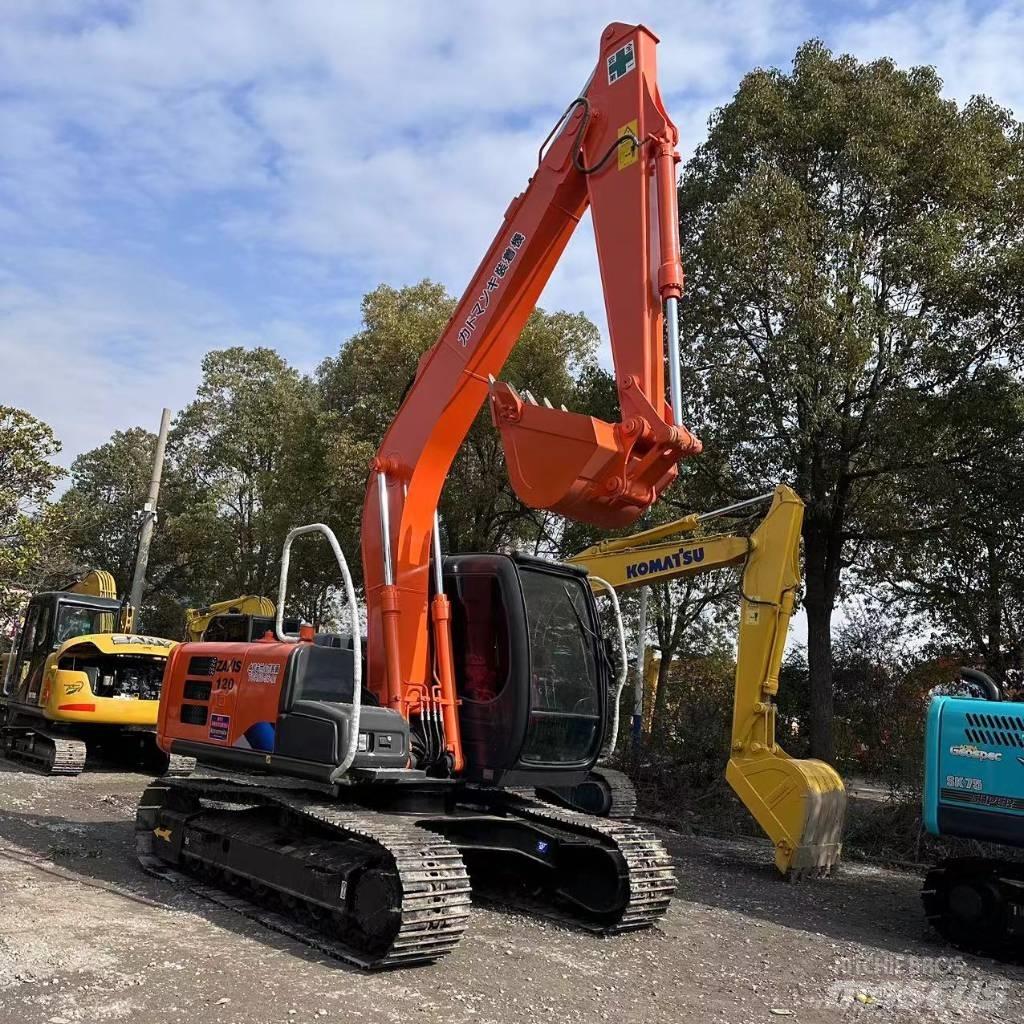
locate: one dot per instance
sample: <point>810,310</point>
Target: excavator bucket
<point>800,805</point>
<point>583,468</point>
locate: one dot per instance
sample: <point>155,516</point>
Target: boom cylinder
<point>675,386</point>
<point>441,617</point>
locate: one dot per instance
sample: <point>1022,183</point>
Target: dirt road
<point>86,937</point>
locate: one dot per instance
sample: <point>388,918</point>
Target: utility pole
<point>149,514</point>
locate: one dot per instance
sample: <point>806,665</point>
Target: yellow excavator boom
<point>95,583</point>
<point>800,804</point>
<point>197,620</point>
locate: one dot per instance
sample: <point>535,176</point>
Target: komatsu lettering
<point>673,560</point>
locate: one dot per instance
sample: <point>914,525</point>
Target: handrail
<point>350,597</point>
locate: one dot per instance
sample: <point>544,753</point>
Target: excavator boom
<point>800,804</point>
<point>251,606</point>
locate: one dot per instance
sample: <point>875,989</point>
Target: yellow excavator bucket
<point>800,805</point>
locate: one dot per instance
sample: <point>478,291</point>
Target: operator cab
<point>530,665</point>
<point>51,619</point>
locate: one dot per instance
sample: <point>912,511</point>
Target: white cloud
<point>100,344</point>
<point>976,48</point>
<point>177,175</point>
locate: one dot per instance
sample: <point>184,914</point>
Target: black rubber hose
<point>986,682</point>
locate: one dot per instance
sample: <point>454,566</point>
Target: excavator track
<point>606,793</point>
<point>977,905</point>
<point>368,888</point>
<point>651,878</point>
<point>47,752</point>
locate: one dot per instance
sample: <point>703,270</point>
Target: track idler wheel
<point>604,793</point>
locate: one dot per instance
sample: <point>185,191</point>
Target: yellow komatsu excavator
<point>242,618</point>
<point>78,676</point>
<point>799,804</point>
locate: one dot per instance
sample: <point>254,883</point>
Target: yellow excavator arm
<point>100,583</point>
<point>800,804</point>
<point>197,620</point>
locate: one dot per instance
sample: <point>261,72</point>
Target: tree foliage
<point>853,246</point>
<point>27,477</point>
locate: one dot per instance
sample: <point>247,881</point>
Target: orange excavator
<point>361,792</point>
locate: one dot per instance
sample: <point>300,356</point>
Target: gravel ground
<point>85,936</point>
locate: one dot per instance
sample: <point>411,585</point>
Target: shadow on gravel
<point>101,854</point>
<point>861,904</point>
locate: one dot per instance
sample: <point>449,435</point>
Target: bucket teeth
<point>547,403</point>
<point>528,395</point>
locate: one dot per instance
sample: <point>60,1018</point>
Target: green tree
<point>853,247</point>
<point>238,449</point>
<point>109,485</point>
<point>100,512</point>
<point>962,571</point>
<point>27,527</point>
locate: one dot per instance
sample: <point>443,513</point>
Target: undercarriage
<point>380,875</point>
<point>977,904</point>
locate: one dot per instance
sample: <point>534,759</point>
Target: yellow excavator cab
<point>799,803</point>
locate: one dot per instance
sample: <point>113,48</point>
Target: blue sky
<point>180,175</point>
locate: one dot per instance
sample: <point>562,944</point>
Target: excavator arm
<point>613,151</point>
<point>101,583</point>
<point>800,804</point>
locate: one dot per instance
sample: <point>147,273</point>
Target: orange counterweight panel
<point>224,694</point>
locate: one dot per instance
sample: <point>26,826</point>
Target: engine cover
<point>274,707</point>
<point>974,770</point>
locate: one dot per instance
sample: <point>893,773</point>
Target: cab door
<point>38,648</point>
<point>24,679</point>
